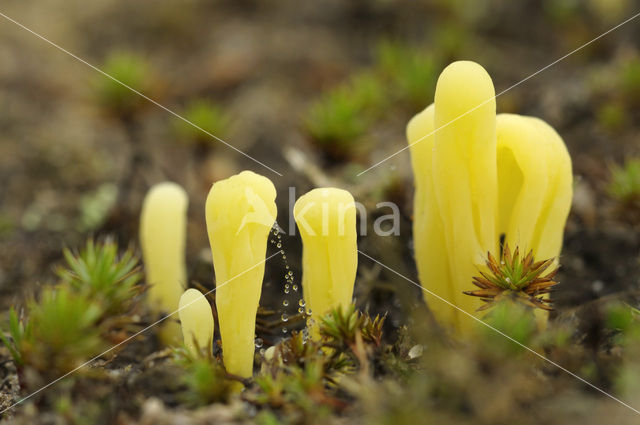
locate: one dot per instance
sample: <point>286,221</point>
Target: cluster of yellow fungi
<point>478,176</point>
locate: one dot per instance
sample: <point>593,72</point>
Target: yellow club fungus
<point>478,177</point>
<point>240,212</point>
<point>326,219</point>
<point>163,227</point>
<point>196,320</point>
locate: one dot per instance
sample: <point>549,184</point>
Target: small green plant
<point>206,115</point>
<point>612,116</point>
<point>99,273</point>
<point>411,72</point>
<point>625,182</point>
<point>204,376</point>
<point>336,122</point>
<point>19,333</point>
<point>630,79</point>
<point>59,333</point>
<point>342,325</point>
<point>129,69</point>
<point>88,309</point>
<point>299,393</point>
<point>520,279</point>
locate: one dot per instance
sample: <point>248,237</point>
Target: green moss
<point>74,320</point>
<point>625,181</point>
<point>206,115</point>
<point>59,333</point>
<point>630,79</point>
<point>612,116</point>
<point>129,69</point>
<point>411,72</point>
<point>336,122</point>
<point>513,319</point>
<point>100,273</point>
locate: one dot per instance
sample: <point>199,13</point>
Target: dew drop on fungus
<point>284,330</point>
<point>285,303</point>
<point>295,287</point>
<point>279,245</point>
<point>259,342</point>
<point>301,303</point>
<point>284,317</point>
<point>301,310</point>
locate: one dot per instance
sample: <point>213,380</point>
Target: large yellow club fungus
<point>163,227</point>
<point>478,177</point>
<point>240,212</point>
<point>196,320</point>
<point>326,218</point>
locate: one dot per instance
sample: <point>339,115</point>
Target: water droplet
<point>295,287</point>
<point>284,317</point>
<point>308,312</point>
<point>284,330</point>
<point>301,310</point>
<point>287,290</point>
<point>259,342</point>
<point>284,257</point>
<point>285,303</point>
<point>262,350</point>
<point>301,303</point>
<point>287,267</point>
<point>281,251</point>
<point>279,245</point>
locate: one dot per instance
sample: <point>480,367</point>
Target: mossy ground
<point>72,164</point>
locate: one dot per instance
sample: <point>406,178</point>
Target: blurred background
<point>318,91</point>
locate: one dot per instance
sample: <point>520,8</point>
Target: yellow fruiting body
<point>477,177</point>
<point>240,212</point>
<point>163,227</point>
<point>326,218</point>
<point>196,320</point>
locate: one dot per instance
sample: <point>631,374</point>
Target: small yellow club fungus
<point>240,212</point>
<point>479,177</point>
<point>163,227</point>
<point>326,218</point>
<point>196,320</point>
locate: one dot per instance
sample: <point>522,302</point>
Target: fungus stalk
<point>196,320</point>
<point>163,226</point>
<point>481,179</point>
<point>327,221</point>
<point>240,212</point>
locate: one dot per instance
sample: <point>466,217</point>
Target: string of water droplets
<point>290,287</point>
